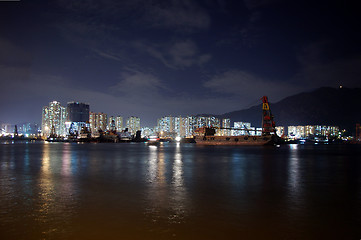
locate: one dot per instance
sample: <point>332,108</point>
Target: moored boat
<point>206,135</point>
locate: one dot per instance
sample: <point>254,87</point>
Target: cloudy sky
<point>173,57</point>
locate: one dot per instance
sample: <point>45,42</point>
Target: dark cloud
<point>319,66</point>
<point>254,4</point>
<point>246,87</point>
<point>184,14</point>
<point>179,54</point>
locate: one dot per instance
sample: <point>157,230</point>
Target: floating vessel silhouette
<point>206,135</point>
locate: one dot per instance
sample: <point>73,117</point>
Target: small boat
<point>206,135</point>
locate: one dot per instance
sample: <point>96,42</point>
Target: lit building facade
<point>280,131</point>
<point>296,131</point>
<point>146,132</point>
<point>53,117</point>
<point>98,122</point>
<point>7,129</point>
<point>213,122</point>
<point>226,125</point>
<point>133,125</point>
<point>190,123</point>
<point>184,126</point>
<point>28,129</point>
<point>313,131</point>
<point>111,124</point>
<point>119,123</point>
<point>165,126</point>
<point>241,128</point>
<point>201,122</point>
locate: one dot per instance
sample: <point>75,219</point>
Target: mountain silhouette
<point>323,106</point>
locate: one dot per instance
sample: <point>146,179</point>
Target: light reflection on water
<point>92,191</point>
<point>293,172</point>
<point>179,192</point>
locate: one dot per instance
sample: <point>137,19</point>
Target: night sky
<point>156,58</point>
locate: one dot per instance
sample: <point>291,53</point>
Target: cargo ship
<point>207,136</point>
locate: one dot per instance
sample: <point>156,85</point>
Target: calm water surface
<point>135,191</point>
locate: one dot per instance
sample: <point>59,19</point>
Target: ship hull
<point>234,140</point>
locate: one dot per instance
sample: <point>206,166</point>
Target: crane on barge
<point>268,124</point>
<point>206,135</point>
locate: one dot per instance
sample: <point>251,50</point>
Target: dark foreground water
<point>135,191</point>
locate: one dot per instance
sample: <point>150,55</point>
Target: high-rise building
<point>296,131</point>
<point>173,126</point>
<point>115,123</point>
<point>280,131</point>
<point>77,112</point>
<point>53,118</point>
<point>184,126</point>
<point>313,131</point>
<point>213,122</point>
<point>201,122</point>
<point>183,122</point>
<point>226,125</point>
<point>28,129</point>
<point>111,124</point>
<point>166,126</point>
<point>146,132</point>
<point>309,130</point>
<point>180,126</point>
<point>7,129</point>
<point>78,117</point>
<point>292,131</point>
<point>119,123</point>
<point>241,128</point>
<point>133,124</point>
<point>191,125</point>
<point>98,121</point>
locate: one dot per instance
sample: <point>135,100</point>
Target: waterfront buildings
<point>241,128</point>
<point>119,123</point>
<point>190,125</point>
<point>226,125</point>
<point>146,132</point>
<point>24,129</point>
<point>185,126</point>
<point>298,132</point>
<point>53,119</point>
<point>98,122</point>
<point>111,124</point>
<point>7,129</point>
<point>77,112</point>
<point>77,117</point>
<point>65,121</point>
<point>165,126</point>
<point>133,125</point>
<point>178,126</point>
<point>280,131</point>
<point>115,124</point>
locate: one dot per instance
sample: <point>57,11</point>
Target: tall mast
<point>268,125</point>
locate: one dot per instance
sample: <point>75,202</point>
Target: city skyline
<point>160,58</point>
<point>75,120</point>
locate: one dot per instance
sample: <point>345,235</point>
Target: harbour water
<point>179,191</point>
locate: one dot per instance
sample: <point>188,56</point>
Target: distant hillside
<point>324,106</point>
